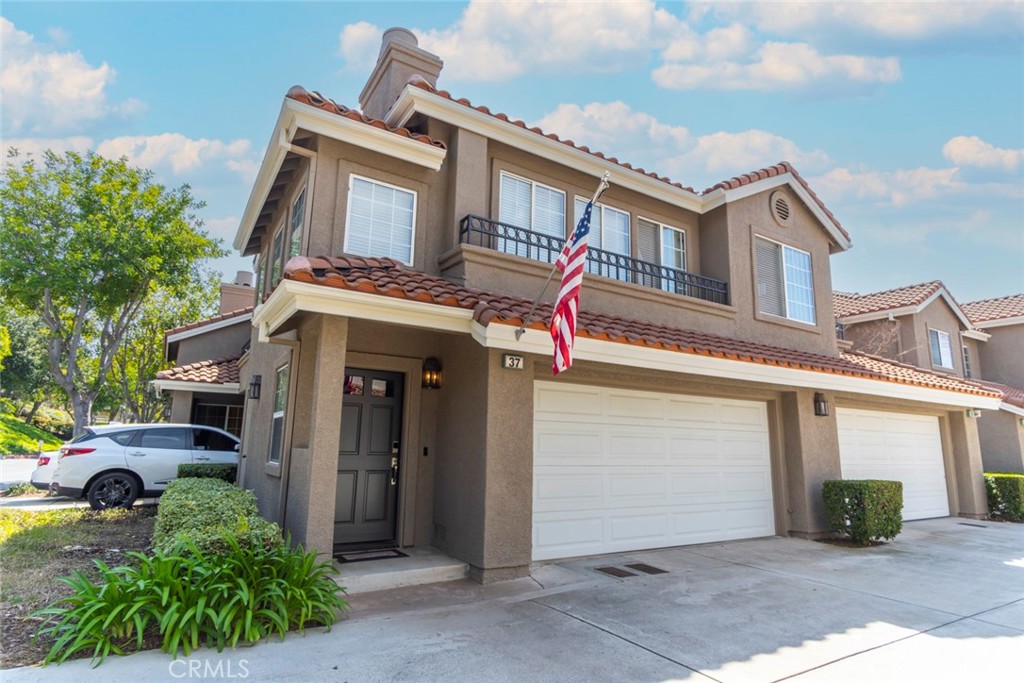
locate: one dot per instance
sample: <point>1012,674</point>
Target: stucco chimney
<point>400,58</point>
<point>237,294</point>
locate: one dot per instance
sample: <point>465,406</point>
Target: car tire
<point>113,490</point>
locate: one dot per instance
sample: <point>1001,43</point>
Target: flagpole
<point>602,186</point>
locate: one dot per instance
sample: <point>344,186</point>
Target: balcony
<point>510,239</point>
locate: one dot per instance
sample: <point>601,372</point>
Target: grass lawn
<point>37,548</point>
<point>21,438</point>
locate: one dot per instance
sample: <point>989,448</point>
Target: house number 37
<point>510,362</point>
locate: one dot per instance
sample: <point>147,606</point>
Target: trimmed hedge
<point>865,510</point>
<point>205,511</point>
<point>1005,495</point>
<point>225,471</point>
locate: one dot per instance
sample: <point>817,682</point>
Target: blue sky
<point>906,119</point>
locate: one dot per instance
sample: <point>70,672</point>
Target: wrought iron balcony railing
<point>511,239</point>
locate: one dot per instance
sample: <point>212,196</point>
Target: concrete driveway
<point>944,602</point>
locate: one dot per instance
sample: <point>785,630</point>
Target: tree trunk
<point>32,413</point>
<point>81,409</point>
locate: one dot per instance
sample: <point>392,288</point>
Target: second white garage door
<point>879,445</point>
<point>618,470</point>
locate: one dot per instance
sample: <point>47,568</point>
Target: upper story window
<point>258,267</point>
<point>277,421</point>
<point>297,218</point>
<point>609,231</point>
<point>967,362</point>
<point>942,350</point>
<point>785,285</point>
<point>277,252</point>
<point>526,204</point>
<point>381,220</point>
<point>663,245</point>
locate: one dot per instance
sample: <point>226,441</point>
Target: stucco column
<point>811,453</point>
<point>181,407</point>
<point>967,466</point>
<point>313,475</point>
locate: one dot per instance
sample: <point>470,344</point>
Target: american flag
<point>571,262</point>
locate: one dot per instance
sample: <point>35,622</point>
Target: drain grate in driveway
<point>646,568</point>
<point>614,571</point>
<point>620,573</point>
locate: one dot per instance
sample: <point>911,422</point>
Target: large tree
<point>84,241</point>
<point>25,377</point>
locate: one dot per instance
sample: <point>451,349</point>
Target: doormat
<point>364,555</point>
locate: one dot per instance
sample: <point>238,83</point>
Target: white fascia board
<point>977,334</point>
<point>915,309</point>
<point>292,297</point>
<point>295,115</point>
<point>203,387</point>
<point>759,186</point>
<point>878,315</point>
<point>418,101</point>
<point>1001,322</point>
<point>539,341</point>
<point>203,329</point>
<point>1012,409</point>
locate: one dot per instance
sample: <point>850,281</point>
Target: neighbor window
<point>967,363</point>
<point>275,257</point>
<point>664,246</point>
<point>381,220</point>
<point>942,350</point>
<point>526,204</point>
<point>785,285</point>
<point>277,424</point>
<point>258,267</point>
<point>298,215</point>
<point>609,231</point>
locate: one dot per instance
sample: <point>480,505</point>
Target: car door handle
<point>137,454</point>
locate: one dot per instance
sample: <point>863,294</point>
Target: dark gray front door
<point>371,428</point>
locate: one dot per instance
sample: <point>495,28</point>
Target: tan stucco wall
<point>1002,441</point>
<point>938,316</point>
<point>876,337</point>
<point>181,407</point>
<point>234,297</point>
<point>226,342</point>
<point>1002,356</point>
<point>811,451</point>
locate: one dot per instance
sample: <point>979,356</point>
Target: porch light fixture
<point>973,412</point>
<point>254,386</point>
<point>431,373</point>
<point>820,405</point>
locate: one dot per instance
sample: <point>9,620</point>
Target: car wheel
<point>113,490</point>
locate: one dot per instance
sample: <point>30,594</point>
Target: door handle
<point>394,470</point>
<point>137,454</point>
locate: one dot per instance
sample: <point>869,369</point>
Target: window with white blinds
<point>664,245</point>
<point>785,283</point>
<point>942,350</point>
<point>526,204</point>
<point>381,220</point>
<point>609,231</point>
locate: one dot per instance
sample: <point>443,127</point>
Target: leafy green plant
<point>225,471</point>
<point>1005,495</point>
<point>190,598</point>
<point>22,488</point>
<point>204,511</point>
<point>865,510</point>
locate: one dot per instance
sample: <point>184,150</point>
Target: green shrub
<point>1005,495</point>
<point>192,599</point>
<point>204,511</point>
<point>225,471</point>
<point>866,510</point>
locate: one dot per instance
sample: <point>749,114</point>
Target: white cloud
<point>899,188</point>
<point>179,152</point>
<point>36,146</point>
<point>495,41</point>
<point>973,151</point>
<point>44,89</point>
<point>773,66</point>
<point>637,137</point>
<point>222,228</point>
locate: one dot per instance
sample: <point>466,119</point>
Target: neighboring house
<point>1002,357</point>
<point>398,250</point>
<point>204,382</point>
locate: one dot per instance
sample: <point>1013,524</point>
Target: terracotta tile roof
<point>209,321</point>
<point>315,99</point>
<point>386,277</point>
<point>1012,395</point>
<point>217,371</point>
<point>770,172</point>
<point>847,304</point>
<point>1010,306</point>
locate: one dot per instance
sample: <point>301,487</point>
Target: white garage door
<point>907,448</point>
<point>617,470</point>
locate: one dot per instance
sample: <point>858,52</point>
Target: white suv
<point>113,465</point>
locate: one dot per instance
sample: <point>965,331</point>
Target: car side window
<point>165,438</point>
<point>122,438</point>
<point>209,440</point>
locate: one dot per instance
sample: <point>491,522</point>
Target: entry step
<point>420,566</point>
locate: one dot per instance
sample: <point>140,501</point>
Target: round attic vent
<point>781,210</point>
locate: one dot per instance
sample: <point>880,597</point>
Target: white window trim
<point>937,362</point>
<point>602,207</point>
<point>533,199</point>
<point>661,241</point>
<point>279,413</point>
<point>415,206</point>
<point>785,283</point>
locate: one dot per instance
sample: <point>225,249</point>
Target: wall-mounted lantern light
<point>973,412</point>
<point>254,387</point>
<point>431,373</point>
<point>820,405</point>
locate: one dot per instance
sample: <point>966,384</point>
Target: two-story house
<point>1002,357</point>
<point>398,250</point>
